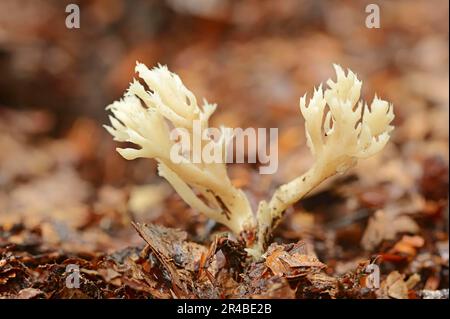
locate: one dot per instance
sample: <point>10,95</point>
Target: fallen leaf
<point>395,286</point>
<point>291,261</point>
<point>29,293</point>
<point>383,226</point>
<point>408,245</point>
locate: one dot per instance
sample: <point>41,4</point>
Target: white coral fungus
<point>340,129</point>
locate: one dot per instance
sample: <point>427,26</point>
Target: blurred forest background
<point>61,179</point>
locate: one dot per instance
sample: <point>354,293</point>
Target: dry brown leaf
<point>176,255</point>
<point>384,226</point>
<point>291,261</point>
<point>29,293</point>
<point>395,286</point>
<point>408,245</point>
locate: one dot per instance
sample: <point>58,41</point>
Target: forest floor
<point>71,207</point>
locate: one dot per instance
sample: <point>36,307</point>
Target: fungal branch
<point>147,118</point>
<point>340,129</point>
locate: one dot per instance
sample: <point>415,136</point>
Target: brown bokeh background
<point>254,58</point>
<point>247,55</point>
<point>58,167</point>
